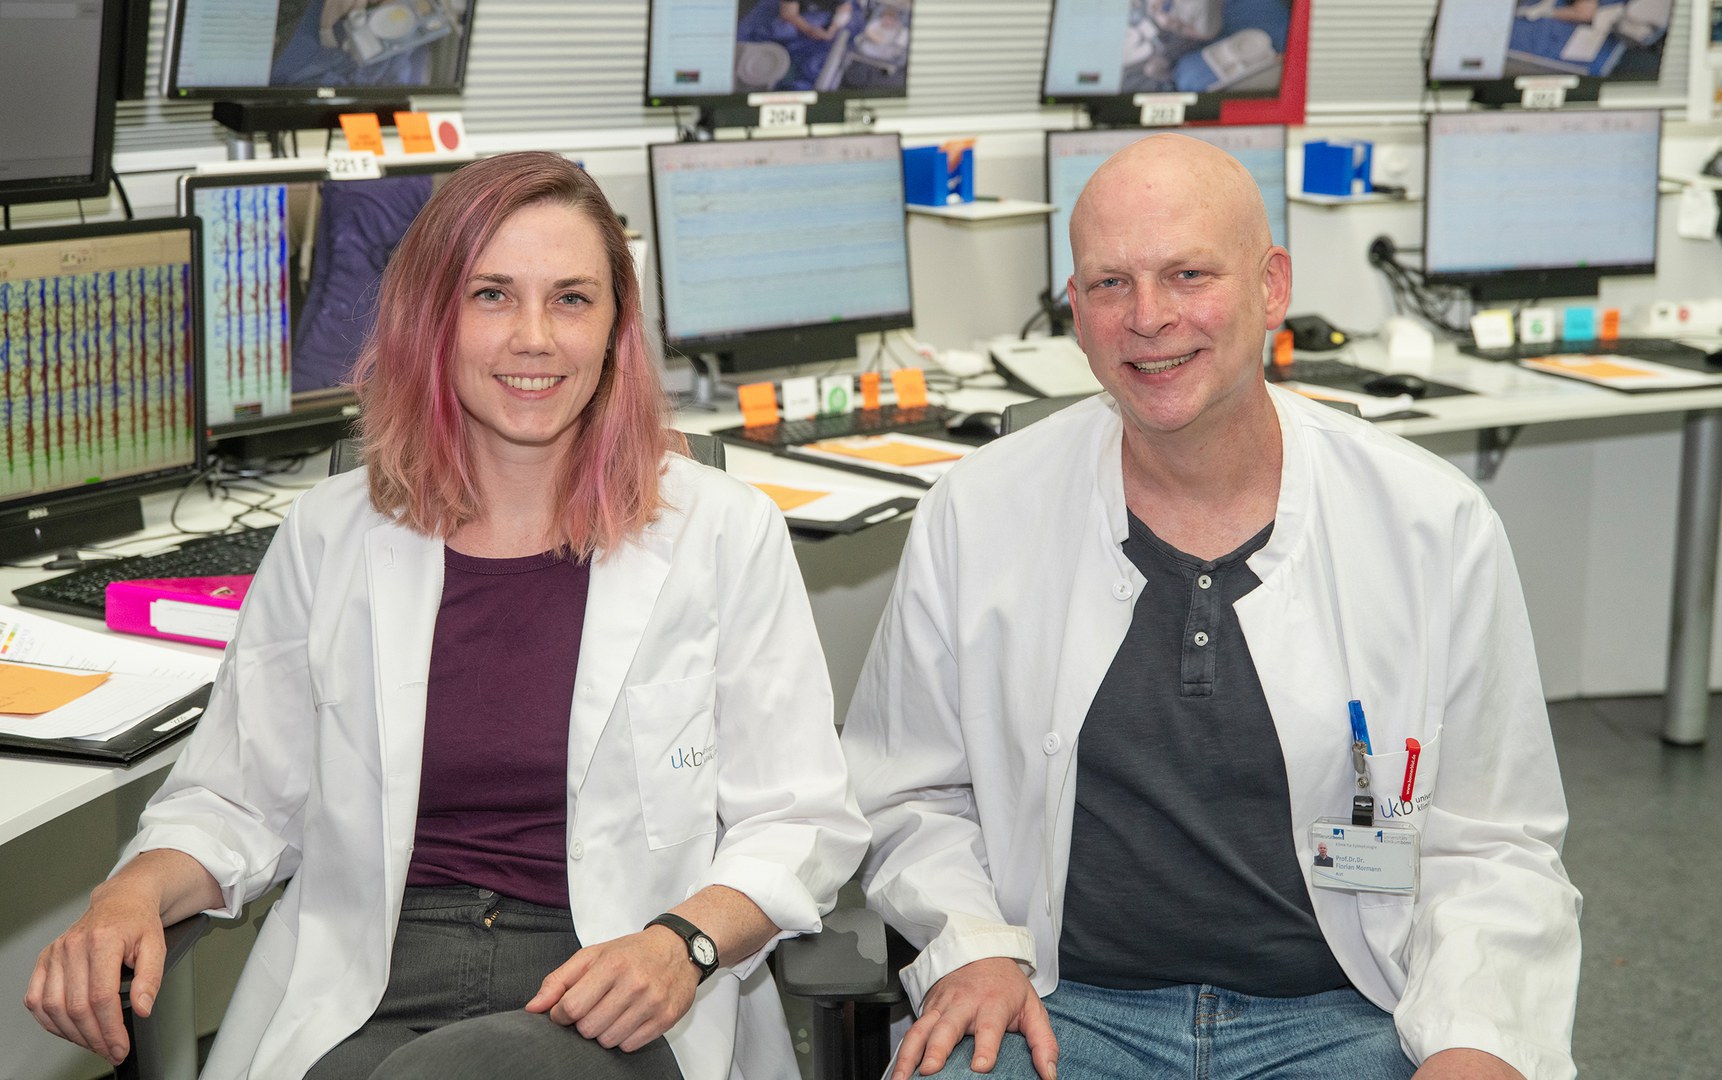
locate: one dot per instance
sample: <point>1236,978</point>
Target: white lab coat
<point>1387,579</point>
<point>306,764</point>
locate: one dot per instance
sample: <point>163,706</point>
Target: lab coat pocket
<point>674,727</point>
<point>1385,920</point>
<point>1387,780</point>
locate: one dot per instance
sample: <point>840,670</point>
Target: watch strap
<point>688,931</point>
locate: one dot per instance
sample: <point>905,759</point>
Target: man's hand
<point>75,990</point>
<point>622,993</point>
<point>985,999</point>
<point>1466,1064</point>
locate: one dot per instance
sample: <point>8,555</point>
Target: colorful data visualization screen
<point>97,357</point>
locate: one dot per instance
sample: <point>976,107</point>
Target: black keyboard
<point>1333,374</point>
<point>1661,350</point>
<point>922,420</point>
<point>85,592</point>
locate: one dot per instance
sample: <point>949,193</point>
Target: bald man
<point>1105,723</point>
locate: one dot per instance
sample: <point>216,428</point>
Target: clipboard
<point>885,511</point>
<point>141,739</point>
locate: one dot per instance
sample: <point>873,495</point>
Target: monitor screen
<point>291,265</point>
<point>779,251</point>
<point>1102,53</point>
<point>1495,41</point>
<point>1072,157</point>
<point>711,52</point>
<point>1531,204</point>
<point>59,61</point>
<point>99,349</point>
<point>309,49</point>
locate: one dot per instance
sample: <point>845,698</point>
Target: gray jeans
<point>452,1010</point>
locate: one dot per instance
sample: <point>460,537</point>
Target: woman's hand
<point>622,993</point>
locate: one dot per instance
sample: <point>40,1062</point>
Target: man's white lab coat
<point>1387,579</point>
<point>306,765</point>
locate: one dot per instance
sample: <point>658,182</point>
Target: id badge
<point>1382,857</point>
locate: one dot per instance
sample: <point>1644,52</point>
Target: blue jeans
<point>1205,1033</point>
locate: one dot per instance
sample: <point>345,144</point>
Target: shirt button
<point>1201,637</point>
<point>1121,590</point>
<point>1204,581</point>
<point>577,850</point>
<point>1051,743</point>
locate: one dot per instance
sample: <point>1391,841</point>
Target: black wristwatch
<point>701,950</point>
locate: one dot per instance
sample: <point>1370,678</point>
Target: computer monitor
<point>1105,54</point>
<point>1532,204</point>
<point>715,54</point>
<point>775,252</point>
<point>1489,45</point>
<point>99,349</point>
<point>1072,157</point>
<point>291,265</point>
<point>279,50</point>
<point>59,62</point>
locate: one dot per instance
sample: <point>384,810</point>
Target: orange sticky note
<point>911,386</point>
<point>30,691</point>
<point>758,404</point>
<point>788,498</point>
<point>869,389</point>
<point>415,131</point>
<point>1283,349</point>
<point>1609,328</point>
<point>363,131</point>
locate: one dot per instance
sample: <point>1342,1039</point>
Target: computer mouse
<point>1395,383</point>
<point>976,425</point>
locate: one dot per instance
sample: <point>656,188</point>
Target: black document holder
<point>141,739</point>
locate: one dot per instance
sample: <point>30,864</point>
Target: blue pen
<point>1359,727</point>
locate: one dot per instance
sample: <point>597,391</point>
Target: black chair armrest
<point>145,1060</point>
<point>844,961</point>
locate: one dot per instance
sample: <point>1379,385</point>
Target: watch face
<point>705,953</point>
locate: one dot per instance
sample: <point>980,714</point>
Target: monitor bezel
<point>733,106</point>
<point>323,415</point>
<point>95,183</point>
<point>170,88</point>
<point>1119,109</point>
<point>1056,295</point>
<point>1545,282</point>
<point>789,345</point>
<point>83,499</point>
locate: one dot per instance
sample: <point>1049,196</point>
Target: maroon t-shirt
<point>493,797</point>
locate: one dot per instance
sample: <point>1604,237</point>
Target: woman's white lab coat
<point>698,641</point>
<point>1387,579</point>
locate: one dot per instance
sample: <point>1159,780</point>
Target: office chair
<point>1024,413</point>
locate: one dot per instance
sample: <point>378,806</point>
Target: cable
<point>1412,294</point>
<point>120,189</point>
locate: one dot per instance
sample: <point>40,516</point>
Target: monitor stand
<point>243,119</point>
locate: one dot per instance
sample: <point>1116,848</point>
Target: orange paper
<point>1610,328</point>
<point>26,690</point>
<point>1283,349</point>
<point>886,451</point>
<point>363,131</point>
<point>788,498</point>
<point>869,389</point>
<point>911,386</point>
<point>1590,367</point>
<point>415,131</point>
<point>758,404</point>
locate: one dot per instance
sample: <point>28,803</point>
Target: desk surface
<point>33,792</point>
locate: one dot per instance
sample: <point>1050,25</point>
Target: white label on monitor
<point>1163,110</point>
<point>782,116</point>
<point>782,97</point>
<point>353,165</point>
<point>1544,91</point>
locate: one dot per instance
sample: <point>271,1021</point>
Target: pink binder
<point>201,610</point>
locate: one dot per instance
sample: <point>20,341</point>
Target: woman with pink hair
<point>530,710</point>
